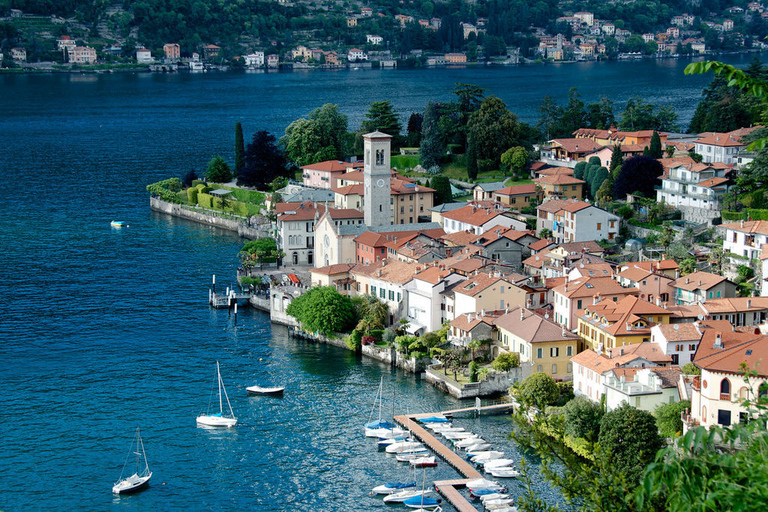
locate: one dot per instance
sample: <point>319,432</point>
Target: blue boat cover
<point>419,500</point>
<point>380,424</point>
<point>435,419</point>
<point>399,485</point>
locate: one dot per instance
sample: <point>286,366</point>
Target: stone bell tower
<point>377,173</point>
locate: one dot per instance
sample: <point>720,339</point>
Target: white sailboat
<point>378,428</point>
<point>218,419</point>
<point>140,478</point>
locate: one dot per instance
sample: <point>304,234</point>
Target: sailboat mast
<point>218,375</point>
<point>138,440</point>
<point>381,396</point>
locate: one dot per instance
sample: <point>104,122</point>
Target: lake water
<point>107,329</point>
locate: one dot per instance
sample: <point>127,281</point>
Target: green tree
<point>257,251</point>
<point>432,146</point>
<point>239,149</point>
<point>515,160</point>
<point>604,194</point>
<point>629,440</point>
<point>538,390</point>
<point>332,126</point>
<point>442,187</point>
<point>638,174</point>
<point>492,129</point>
<point>473,371</point>
<point>371,311</point>
<point>415,124</point>
<point>471,158</point>
<point>323,310</point>
<point>582,418</point>
<point>667,235</point>
<point>655,150</point>
<point>617,157</point>
<point>691,369</point>
<point>640,115</point>
<point>381,117</point>
<point>600,115</point>
<point>218,170</point>
<point>549,117</point>
<point>469,100</point>
<point>319,138</point>
<point>597,179</point>
<point>505,362</point>
<point>263,161</point>
<point>668,417</point>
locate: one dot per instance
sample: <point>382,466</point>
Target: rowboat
<point>258,390</point>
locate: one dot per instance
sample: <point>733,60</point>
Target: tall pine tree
<point>655,150</point>
<point>617,157</point>
<point>239,148</point>
<point>432,144</point>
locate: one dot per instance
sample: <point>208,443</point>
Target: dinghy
<point>424,462</point>
<point>392,487</point>
<point>407,457</point>
<point>496,463</point>
<point>258,390</point>
<point>434,419</point>
<point>401,496</point>
<point>422,502</point>
<point>486,456</point>
<point>504,472</point>
<point>477,449</point>
<point>403,445</point>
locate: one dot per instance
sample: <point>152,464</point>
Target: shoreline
<point>288,68</point>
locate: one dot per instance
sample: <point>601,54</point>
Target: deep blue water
<point>103,330</point>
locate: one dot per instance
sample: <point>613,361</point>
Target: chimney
<point>699,282</point>
<point>522,314</point>
<point>378,273</point>
<point>687,280</point>
<point>742,222</point>
<point>621,351</point>
<point>482,312</point>
<point>506,310</point>
<point>629,326</point>
<point>469,317</point>
<point>595,299</point>
<point>562,330</point>
<point>658,301</point>
<point>749,303</point>
<point>718,341</point>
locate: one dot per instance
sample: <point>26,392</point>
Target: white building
<point>746,238</point>
<point>722,147</point>
<point>356,54</point>
<point>144,56</point>
<point>478,219</point>
<point>374,39</point>
<point>424,299</point>
<point>694,185</point>
<point>679,341</point>
<point>642,388</point>
<point>591,369</point>
<point>377,172</point>
<point>254,60</point>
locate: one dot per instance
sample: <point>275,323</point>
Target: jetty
<point>448,489</point>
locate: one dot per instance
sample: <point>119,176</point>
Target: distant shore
<point>289,67</point>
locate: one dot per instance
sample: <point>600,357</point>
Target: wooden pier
<point>501,408</point>
<point>446,488</point>
<point>227,301</point>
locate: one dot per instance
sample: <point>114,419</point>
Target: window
<point>554,369</point>
<point>725,390</point>
<point>554,351</point>
<point>373,290</point>
<point>539,354</point>
<point>502,290</point>
<point>382,293</point>
<point>578,304</point>
<point>599,226</point>
<point>569,369</point>
<point>569,352</point>
<point>539,368</point>
<point>724,418</point>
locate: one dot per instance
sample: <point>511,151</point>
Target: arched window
<point>295,258</point>
<point>744,393</point>
<point>725,389</point>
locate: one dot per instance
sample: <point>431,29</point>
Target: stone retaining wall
<point>240,227</point>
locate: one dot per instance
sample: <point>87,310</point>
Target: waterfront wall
<point>493,384</point>
<point>241,227</point>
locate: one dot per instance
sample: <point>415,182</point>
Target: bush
<point>377,334</point>
<point>505,362</point>
<point>433,170</point>
<point>368,340</point>
<point>629,440</point>
<point>389,336</point>
<point>538,390</point>
<point>167,190</point>
<point>668,418</point>
<point>354,341</point>
<point>473,370</point>
<point>197,183</point>
<point>192,195</point>
<point>582,418</point>
<point>691,369</point>
<point>205,200</point>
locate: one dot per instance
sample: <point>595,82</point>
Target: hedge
<point>167,190</point>
<point>749,213</point>
<point>205,200</point>
<point>192,195</point>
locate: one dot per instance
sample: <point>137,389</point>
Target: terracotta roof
<point>532,327</point>
<point>473,215</point>
<point>535,260</point>
<point>357,189</point>
<point>595,269</point>
<point>559,179</point>
<point>477,283</point>
<point>460,238</point>
<point>391,271</point>
<point>577,145</point>
<point>734,305</point>
<point>616,317</point>
<point>738,349</point>
<point>540,244</point>
<point>577,206</point>
<point>698,281</point>
<point>554,171</point>
<point>647,350</point>
<point>339,268</point>
<point>287,212</point>
<point>554,205</point>
<point>332,166</point>
<point>517,190</point>
<point>667,264</point>
<point>432,274</point>
<point>345,213</point>
<point>749,226</point>
<point>591,286</point>
<point>467,265</point>
<point>601,363</point>
<point>589,246</point>
<point>680,332</point>
<point>463,322</point>
<point>728,139</point>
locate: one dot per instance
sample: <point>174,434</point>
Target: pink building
<point>326,174</point>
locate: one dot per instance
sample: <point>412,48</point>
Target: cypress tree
<point>655,150</point>
<point>472,161</point>
<point>239,148</point>
<point>617,157</point>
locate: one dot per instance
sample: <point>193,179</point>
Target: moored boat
<point>140,479</point>
<point>392,487</point>
<point>422,502</point>
<point>504,472</point>
<point>219,419</point>
<point>401,496</point>
<point>119,224</point>
<point>424,462</point>
<point>258,390</point>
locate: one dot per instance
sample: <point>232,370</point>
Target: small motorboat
<point>486,456</point>
<point>424,462</point>
<point>258,390</point>
<point>434,419</point>
<point>493,496</point>
<point>481,486</point>
<point>477,449</point>
<point>403,445</point>
<point>383,443</point>
<point>464,443</point>
<point>392,487</point>
<point>496,463</point>
<point>504,472</point>
<point>401,496</point>
<point>458,435</point>
<point>422,502</point>
<point>498,504</point>
<point>119,224</point>
<point>409,456</point>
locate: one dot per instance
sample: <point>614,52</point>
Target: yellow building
<point>537,340</point>
<point>607,324</point>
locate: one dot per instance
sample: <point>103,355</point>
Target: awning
<point>414,327</point>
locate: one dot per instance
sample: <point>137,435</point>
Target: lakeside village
<point>358,36</point>
<point>617,284</point>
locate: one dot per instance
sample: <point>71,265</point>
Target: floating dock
<point>448,488</point>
